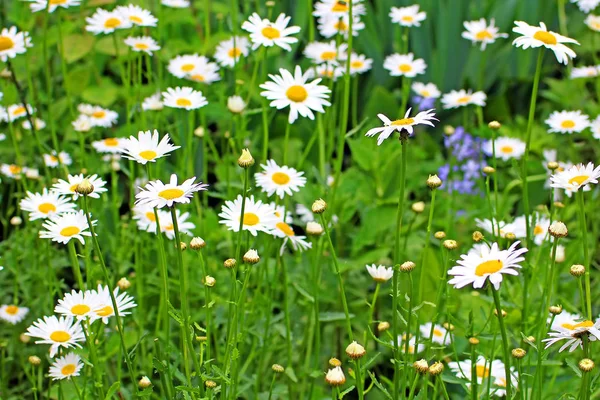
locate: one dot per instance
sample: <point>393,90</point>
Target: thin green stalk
<point>413,387</point>
<point>286,315</point>
<point>505,344</point>
<point>63,66</point>
<point>96,366</point>
<point>207,301</point>
<point>426,247</point>
<point>406,338</point>
<point>75,264</point>
<point>586,251</point>
<point>286,140</point>
<point>265,120</point>
<point>371,313</point>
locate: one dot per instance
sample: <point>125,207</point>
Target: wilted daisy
<point>54,160</point>
<point>228,52</point>
<point>331,26</point>
<point>45,204</point>
<point>480,32</point>
<point>534,37</point>
<point>586,5</point>
<point>175,3</point>
<point>380,273</point>
<point>408,16</point>
<point>506,148</point>
<point>567,121</point>
<point>404,65</point>
<point>426,90</point>
<point>42,5</point>
<point>258,217</point>
<point>66,367</point>
<point>585,72</point>
<point>460,98</point>
<point>153,103</point>
<point>158,194</point>
<point>576,177</point>
<point>483,369</point>
<point>16,111</point>
<point>389,126</point>
<point>168,228</point>
<point>283,230</point>
<point>320,52</point>
<point>109,145</point>
<point>11,170</point>
<point>266,33</point>
<point>57,332</point>
<point>439,334</point>
<point>359,64</point>
<point>136,15</point>
<point>12,313</point>
<point>142,44</point>
<point>572,334</point>
<point>475,270</point>
<point>280,180</point>
<point>69,186</point>
<point>104,310</point>
<point>38,124</point>
<point>184,97</point>
<point>62,228</point>
<point>106,22</point>
<point>78,304</point>
<point>287,90</point>
<point>101,116</point>
<point>13,43</point>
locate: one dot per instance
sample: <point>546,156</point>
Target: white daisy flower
<point>498,387</point>
<point>153,103</point>
<point>102,117</point>
<point>338,8</point>
<point>585,72</point>
<point>287,90</point>
<point>266,33</point>
<point>38,124</point>
<point>389,126</point>
<point>62,228</point>
<point>593,22</point>
<point>380,273</point>
<point>572,334</point>
<point>16,111</point>
<point>68,187</point>
<point>83,123</point>
<point>65,367</point>
<point>206,72</point>
<point>42,5</point>
<point>228,52</point>
<point>411,345</point>
<point>540,228</point>
<point>586,5</point>
<point>506,148</point>
<point>166,224</point>
<point>136,15</point>
<point>57,332</point>
<point>258,217</point>
<point>157,194</point>
<point>54,160</point>
<point>576,177</point>
<point>475,270</point>
<point>13,43</point>
<point>79,304</point>
<point>483,369</point>
<point>565,320</point>
<point>236,104</point>
<point>439,334</point>
<point>184,97</point>
<point>142,44</point>
<point>283,230</point>
<point>280,212</point>
<point>426,90</point>
<point>280,180</point>
<point>359,64</point>
<point>146,147</point>
<point>145,218</point>
<point>320,52</point>
<point>595,127</point>
<point>567,121</point>
<point>408,16</point>
<point>186,64</point>
<point>12,313</point>
<point>45,205</point>
<point>480,32</point>
<point>11,170</point>
<point>176,3</point>
<point>331,26</point>
<point>460,98</point>
<point>492,226</point>
<point>534,37</point>
<point>109,145</point>
<point>404,65</point>
<point>326,70</point>
<point>105,309</point>
<point>106,22</point>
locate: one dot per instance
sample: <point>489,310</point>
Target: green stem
<point>75,265</point>
<point>286,140</point>
<point>505,344</point>
<point>413,387</point>
<point>586,254</point>
<point>371,313</point>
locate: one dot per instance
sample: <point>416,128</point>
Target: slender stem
<point>75,265</point>
<point>371,312</point>
<point>286,140</point>
<point>505,344</point>
<point>207,306</point>
<point>286,309</point>
<point>411,394</point>
<point>427,242</point>
<point>586,255</point>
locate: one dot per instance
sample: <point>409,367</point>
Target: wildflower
<point>42,5</point>
<point>236,104</point>
<point>359,64</point>
<point>422,118</point>
<point>585,72</point>
<point>421,366</point>
<point>157,194</point>
<point>109,145</point>
<point>404,65</point>
<point>83,123</point>
<point>383,326</point>
<point>12,313</point>
<point>480,32</point>
<point>142,44</point>
<point>483,369</point>
<point>209,281</point>
<point>381,273</point>
<point>567,121</point>
<point>230,263</point>
<point>78,304</point>
<point>123,283</point>
<point>572,333</point>
<point>533,36</point>
<point>105,309</point>
<point>52,160</point>
<point>335,377</point>
<point>184,97</point>
<point>266,33</point>
<point>355,350</point>
<point>575,178</point>
<point>251,257</point>
<point>586,5</point>
<point>314,229</point>
<point>99,116</point>
<point>228,52</point>
<point>258,217</point>
<point>136,15</point>
<point>277,368</point>
<point>412,349</point>
<point>69,187</point>
<point>558,229</point>
<point>16,111</point>
<point>319,206</point>
<point>321,52</point>
<point>426,94</point>
<point>506,148</point>
<point>331,25</point>
<point>66,367</point>
<point>439,335</point>
<point>33,360</point>
<point>62,228</point>
<point>407,266</point>
<point>436,368</point>
<point>175,3</point>
<point>197,243</point>
<point>433,182</point>
<point>57,332</point>
<point>586,365</point>
<point>45,205</point>
<point>408,16</point>
<point>460,98</point>
<point>144,382</point>
<point>330,70</point>
<point>283,230</point>
<point>280,180</point>
<point>146,147</point>
<point>153,103</point>
<point>37,123</point>
<point>106,22</point>
<point>338,8</point>
<point>13,43</point>
<point>168,228</point>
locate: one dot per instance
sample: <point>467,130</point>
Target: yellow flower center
<point>68,369</point>
<point>425,93</point>
<point>104,311</point>
<point>135,19</point>
<point>506,149</point>
<point>595,25</point>
<point>341,26</point>
<point>408,18</point>
<point>251,219</point>
<point>482,371</point>
<point>99,114</point>
<point>60,336</point>
<point>80,309</point>
<point>340,6</point>
<point>357,64</point>
<point>403,122</point>
<point>53,158</point>
<point>463,100</point>
<point>488,267</point>
<point>148,155</point>
<point>141,46</point>
<point>545,37</point>
<point>280,178</point>
<point>405,68</point>
<point>234,52</point>
<point>187,67</point>
<point>56,2</point>
<point>583,324</point>
<point>112,23</point>
<point>183,102</point>
<point>19,110</point>
<point>46,208</point>
<point>501,382</point>
<point>170,194</point>
<point>567,124</point>
<point>484,34</point>
<point>579,179</point>
<point>198,78</point>
<point>6,43</point>
<point>271,33</point>
<point>438,333</point>
<point>538,230</point>
<point>328,55</point>
<point>111,142</point>
<point>70,231</point>
<point>285,228</point>
<point>296,93</point>
<point>72,188</point>
<point>12,310</point>
<point>151,216</point>
<point>14,169</point>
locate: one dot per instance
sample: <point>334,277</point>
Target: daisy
<point>183,224</point>
<point>460,98</point>
<point>175,3</point>
<point>326,70</point>
<point>153,103</point>
<point>483,369</point>
<point>38,124</point>
<point>258,217</point>
<point>228,52</point>
<point>585,72</point>
<point>106,22</point>
<point>586,5</point>
<point>157,194</point>
<point>439,334</point>
<point>287,90</point>
<point>595,127</point>
<point>45,205</point>
<point>13,43</point>
<point>564,320</point>
<point>567,121</point>
<point>283,230</point>
<point>280,180</point>
<point>66,367</point>
<point>62,228</point>
<point>492,226</point>
<point>146,147</point>
<point>593,22</point>
<point>145,218</point>
<point>540,228</point>
<point>184,97</point>
<point>304,213</point>
<point>185,65</point>
<point>408,16</point>
<point>426,90</point>
<point>573,334</point>
<point>404,65</point>
<point>17,111</point>
<point>280,212</point>
<point>506,148</point>
<point>320,52</point>
<point>389,126</point>
<point>475,270</point>
<point>534,36</point>
<point>53,160</point>
<point>102,117</point>
<point>266,33</point>
<point>480,32</point>
<point>359,64</point>
<point>69,186</point>
<point>13,314</point>
<point>142,43</point>
<point>105,308</point>
<point>499,383</point>
<point>205,72</point>
<point>411,345</point>
<point>78,304</point>
<point>11,170</point>
<point>83,123</point>
<point>338,8</point>
<point>58,332</point>
<point>136,15</point>
<point>331,26</point>
<point>109,145</point>
<point>42,5</point>
<point>576,177</point>
<point>380,273</point>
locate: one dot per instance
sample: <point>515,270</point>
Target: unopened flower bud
<point>558,229</point>
<point>504,313</point>
<point>418,207</point>
<point>436,368</point>
<point>230,263</point>
<point>124,283</point>
<point>314,229</point>
<point>383,326</point>
<point>552,165</point>
<point>277,368</point>
<point>531,339</point>
<point>448,326</point>
<point>577,270</point>
<point>477,236</point>
<point>16,221</point>
<point>450,244</point>
<point>448,130</point>
<point>335,377</point>
<point>197,243</point>
<point>421,366</point>
<point>251,257</point>
<point>24,338</point>
<point>34,360</point>
<point>489,170</point>
<point>236,104</point>
<point>199,132</point>
<point>319,206</point>
<point>518,353</point>
<point>84,187</point>
<point>246,160</point>
<point>144,382</point>
<point>210,384</point>
<point>334,362</point>
<point>494,125</point>
<point>355,350</point>
<point>439,235</point>
<point>433,182</point>
<point>407,266</point>
<point>510,236</point>
<point>473,340</point>
<point>182,246</point>
<point>586,365</point>
<point>209,281</point>
<point>555,309</point>
<point>559,204</point>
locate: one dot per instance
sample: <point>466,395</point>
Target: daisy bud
<point>314,229</point>
<point>210,384</point>
<point>210,281</point>
<point>236,104</point>
<point>555,310</point>
<point>518,353</point>
<point>531,339</point>
<point>319,206</point>
<point>334,362</point>
<point>124,283</point>
<point>407,266</point>
<point>270,3</point>
<point>230,263</point>
<point>448,130</point>
<point>433,182</point>
<point>418,207</point>
<point>199,132</point>
<point>494,125</point>
<point>439,235</point>
<point>474,341</point>
<point>552,165</point>
<point>448,326</point>
<point>436,368</point>
<point>421,366</point>
<point>197,243</point>
<point>477,236</point>
<point>227,135</point>
<point>504,313</point>
<point>277,368</point>
<point>16,221</point>
<point>335,377</point>
<point>84,188</point>
<point>183,246</point>
<point>577,270</point>
<point>246,160</point>
<point>558,229</point>
<point>383,326</point>
<point>24,338</point>
<point>450,244</point>
<point>240,82</point>
<point>144,382</point>
<point>251,257</point>
<point>559,204</point>
<point>586,365</point>
<point>355,350</point>
<point>510,236</point>
<point>34,360</point>
<point>489,170</point>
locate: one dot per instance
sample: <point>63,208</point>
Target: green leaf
<point>345,392</point>
<point>289,371</point>
<point>112,390</point>
<point>379,385</point>
<point>333,316</point>
<point>77,46</point>
<point>303,292</point>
